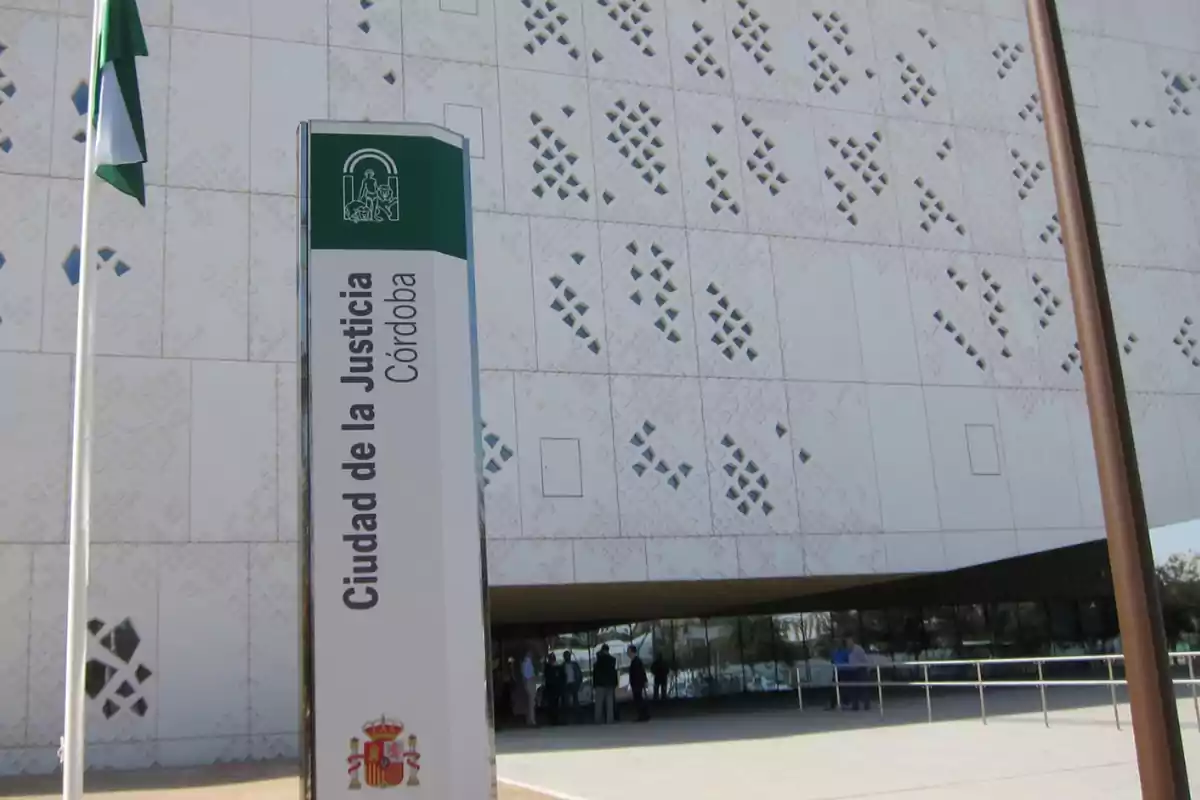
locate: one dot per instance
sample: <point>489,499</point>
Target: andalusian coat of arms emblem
<point>385,758</point>
<point>370,187</point>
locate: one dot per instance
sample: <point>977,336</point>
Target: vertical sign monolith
<point>394,662</point>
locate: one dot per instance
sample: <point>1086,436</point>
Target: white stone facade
<point>766,288</point>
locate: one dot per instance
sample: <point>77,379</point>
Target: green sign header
<point>386,192</point>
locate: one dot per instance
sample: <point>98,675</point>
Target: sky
<point>1170,539</point>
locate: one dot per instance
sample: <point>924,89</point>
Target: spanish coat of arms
<point>385,759</point>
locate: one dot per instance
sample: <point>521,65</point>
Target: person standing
<point>840,661</point>
<point>552,677</point>
<point>572,681</point>
<point>512,681</point>
<point>661,673</point>
<point>499,687</point>
<point>529,687</point>
<point>637,683</point>
<point>860,666</point>
<point>604,682</point>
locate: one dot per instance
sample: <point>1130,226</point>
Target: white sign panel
<point>395,663</point>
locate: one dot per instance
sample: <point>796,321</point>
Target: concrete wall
<point>818,320</point>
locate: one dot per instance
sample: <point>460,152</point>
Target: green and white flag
<point>120,137</point>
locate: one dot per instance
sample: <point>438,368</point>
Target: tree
<point>1179,586</point>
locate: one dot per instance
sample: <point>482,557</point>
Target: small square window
<point>982,450</point>
<point>467,120</point>
<point>562,472</point>
<point>1107,203</point>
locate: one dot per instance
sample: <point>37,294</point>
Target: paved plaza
<point>810,755</point>
<point>262,781</point>
<point>824,755</point>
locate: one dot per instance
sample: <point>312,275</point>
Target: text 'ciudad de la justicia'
<point>401,355</point>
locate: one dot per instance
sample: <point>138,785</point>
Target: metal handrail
<point>980,684</point>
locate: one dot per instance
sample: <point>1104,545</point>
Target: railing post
<point>1192,677</point>
<point>1042,692</point>
<point>799,690</point>
<point>979,683</point>
<point>837,688</point>
<point>879,684</point>
<point>1112,688</point>
<point>1042,683</point>
<point>928,700</point>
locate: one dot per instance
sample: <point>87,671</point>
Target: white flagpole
<point>74,711</point>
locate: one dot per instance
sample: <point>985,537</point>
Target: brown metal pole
<point>1160,757</point>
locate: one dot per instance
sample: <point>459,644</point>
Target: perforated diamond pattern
<point>733,331</point>
<point>634,133</point>
<point>1027,173</point>
<point>859,156</point>
<point>750,31</point>
<point>646,459</point>
<point>760,162</point>
<point>495,453</point>
<point>747,484</point>
<point>572,309</point>
<point>555,161</point>
<point>546,24</point>
<point>1185,340</point>
<point>827,73</point>
<point>631,18</point>
<point>1007,57</point>
<point>656,291</point>
<point>700,54</point>
<point>1046,300</point>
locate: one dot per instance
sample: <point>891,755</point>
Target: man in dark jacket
<point>572,680</point>
<point>637,683</point>
<point>604,684</point>
<point>553,687</point>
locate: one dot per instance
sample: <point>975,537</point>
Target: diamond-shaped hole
<point>125,641</point>
<point>79,98</point>
<point>97,674</point>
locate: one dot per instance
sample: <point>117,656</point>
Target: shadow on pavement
<point>152,779</point>
<point>264,780</point>
<point>775,716</point>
